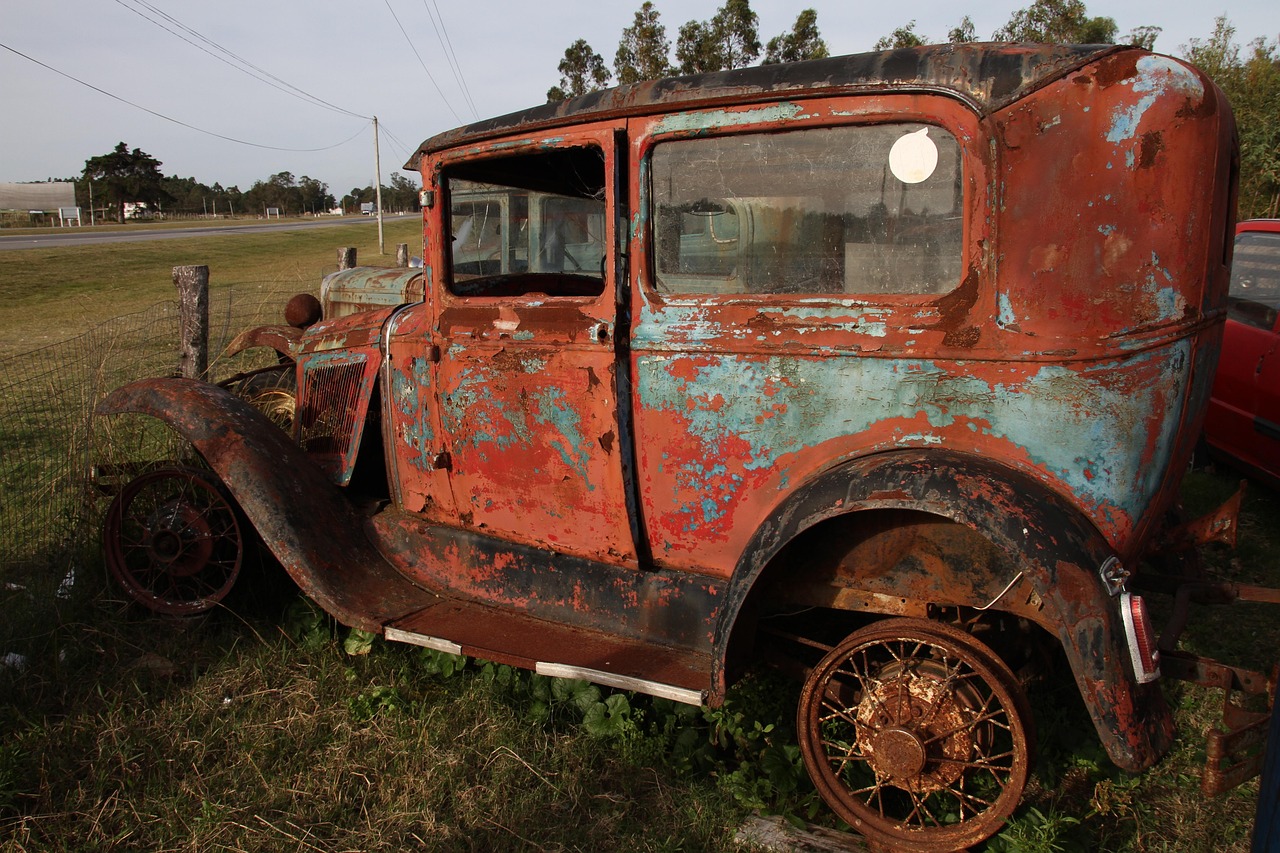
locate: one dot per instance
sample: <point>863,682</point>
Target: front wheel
<point>917,735</point>
<point>173,540</point>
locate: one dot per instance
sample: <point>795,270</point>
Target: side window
<point>1255,280</point>
<point>874,209</point>
<point>532,223</point>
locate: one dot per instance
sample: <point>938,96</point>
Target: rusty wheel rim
<point>917,735</point>
<point>172,540</point>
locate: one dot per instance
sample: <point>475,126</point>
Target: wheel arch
<point>1042,562</point>
<point>306,520</point>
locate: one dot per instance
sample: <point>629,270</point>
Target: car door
<point>527,325</point>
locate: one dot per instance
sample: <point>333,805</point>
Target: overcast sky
<point>354,57</point>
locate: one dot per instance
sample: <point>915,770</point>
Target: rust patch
<point>1152,145</point>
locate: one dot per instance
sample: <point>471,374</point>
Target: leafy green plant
<point>377,700</point>
<point>441,664</point>
<point>358,642</point>
<point>308,625</point>
<point>1036,832</point>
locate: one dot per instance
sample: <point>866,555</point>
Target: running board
<point>553,649</point>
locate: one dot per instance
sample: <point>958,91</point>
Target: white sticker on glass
<point>913,157</point>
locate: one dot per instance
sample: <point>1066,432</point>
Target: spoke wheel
<point>173,541</point>
<point>917,735</point>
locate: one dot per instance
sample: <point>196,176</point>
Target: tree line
<point>730,39</point>
<point>125,177</point>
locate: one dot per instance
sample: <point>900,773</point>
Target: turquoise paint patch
<point>488,421</point>
<point>552,408</point>
<point>1156,76</point>
<point>687,322</point>
<point>1067,421</point>
<point>1005,315</point>
<point>711,119</point>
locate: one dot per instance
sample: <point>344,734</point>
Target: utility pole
<point>377,184</point>
<point>92,221</point>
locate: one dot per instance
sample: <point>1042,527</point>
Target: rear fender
<point>304,519</point>
<point>1043,542</point>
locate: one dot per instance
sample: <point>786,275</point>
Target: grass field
<point>51,294</point>
<point>264,726</point>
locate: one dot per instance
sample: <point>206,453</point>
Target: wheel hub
<point>896,753</point>
<point>166,545</point>
<point>913,731</point>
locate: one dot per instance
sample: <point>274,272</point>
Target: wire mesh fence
<point>59,463</point>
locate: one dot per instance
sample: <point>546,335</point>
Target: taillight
<point>1141,638</point>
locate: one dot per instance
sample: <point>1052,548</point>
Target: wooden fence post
<point>402,255</point>
<point>193,314</point>
<point>347,258</point>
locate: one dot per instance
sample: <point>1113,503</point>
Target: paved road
<point>76,237</point>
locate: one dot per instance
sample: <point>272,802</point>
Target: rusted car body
<point>918,343</point>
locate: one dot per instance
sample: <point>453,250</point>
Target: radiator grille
<point>330,408</point>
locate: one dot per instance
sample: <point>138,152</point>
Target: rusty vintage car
<point>916,345</point>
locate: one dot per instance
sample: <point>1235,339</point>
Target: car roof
<point>988,76</point>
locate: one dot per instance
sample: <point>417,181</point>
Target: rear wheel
<point>917,735</point>
<point>173,541</point>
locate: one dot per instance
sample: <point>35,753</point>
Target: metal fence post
<point>193,313</point>
<point>402,255</point>
<point>347,258</point>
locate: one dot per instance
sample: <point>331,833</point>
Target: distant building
<point>44,197</point>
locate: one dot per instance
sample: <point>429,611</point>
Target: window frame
<point>935,110</point>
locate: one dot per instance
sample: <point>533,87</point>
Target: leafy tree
<point>642,52</point>
<point>735,26</point>
<point>696,49</point>
<point>1143,37</point>
<point>1252,85</point>
<point>963,32</point>
<point>190,196</point>
<point>401,196</point>
<point>582,70</point>
<point>1057,22</point>
<point>313,196</point>
<point>292,196</point>
<point>803,42</point>
<point>731,39</point>
<point>126,176</point>
<point>905,36</point>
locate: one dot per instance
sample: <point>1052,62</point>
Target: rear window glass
<point>1255,280</point>
<point>850,210</point>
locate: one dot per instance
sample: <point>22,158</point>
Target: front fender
<point>283,339</point>
<point>1038,532</point>
<point>300,514</point>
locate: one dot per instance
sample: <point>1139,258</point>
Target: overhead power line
<point>235,61</point>
<point>405,149</point>
<point>442,35</point>
<point>430,76</point>
<point>174,120</point>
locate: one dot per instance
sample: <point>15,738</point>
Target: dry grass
<point>55,293</point>
<point>227,733</point>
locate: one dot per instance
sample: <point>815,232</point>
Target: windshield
<point>1255,279</point>
<point>537,226</point>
